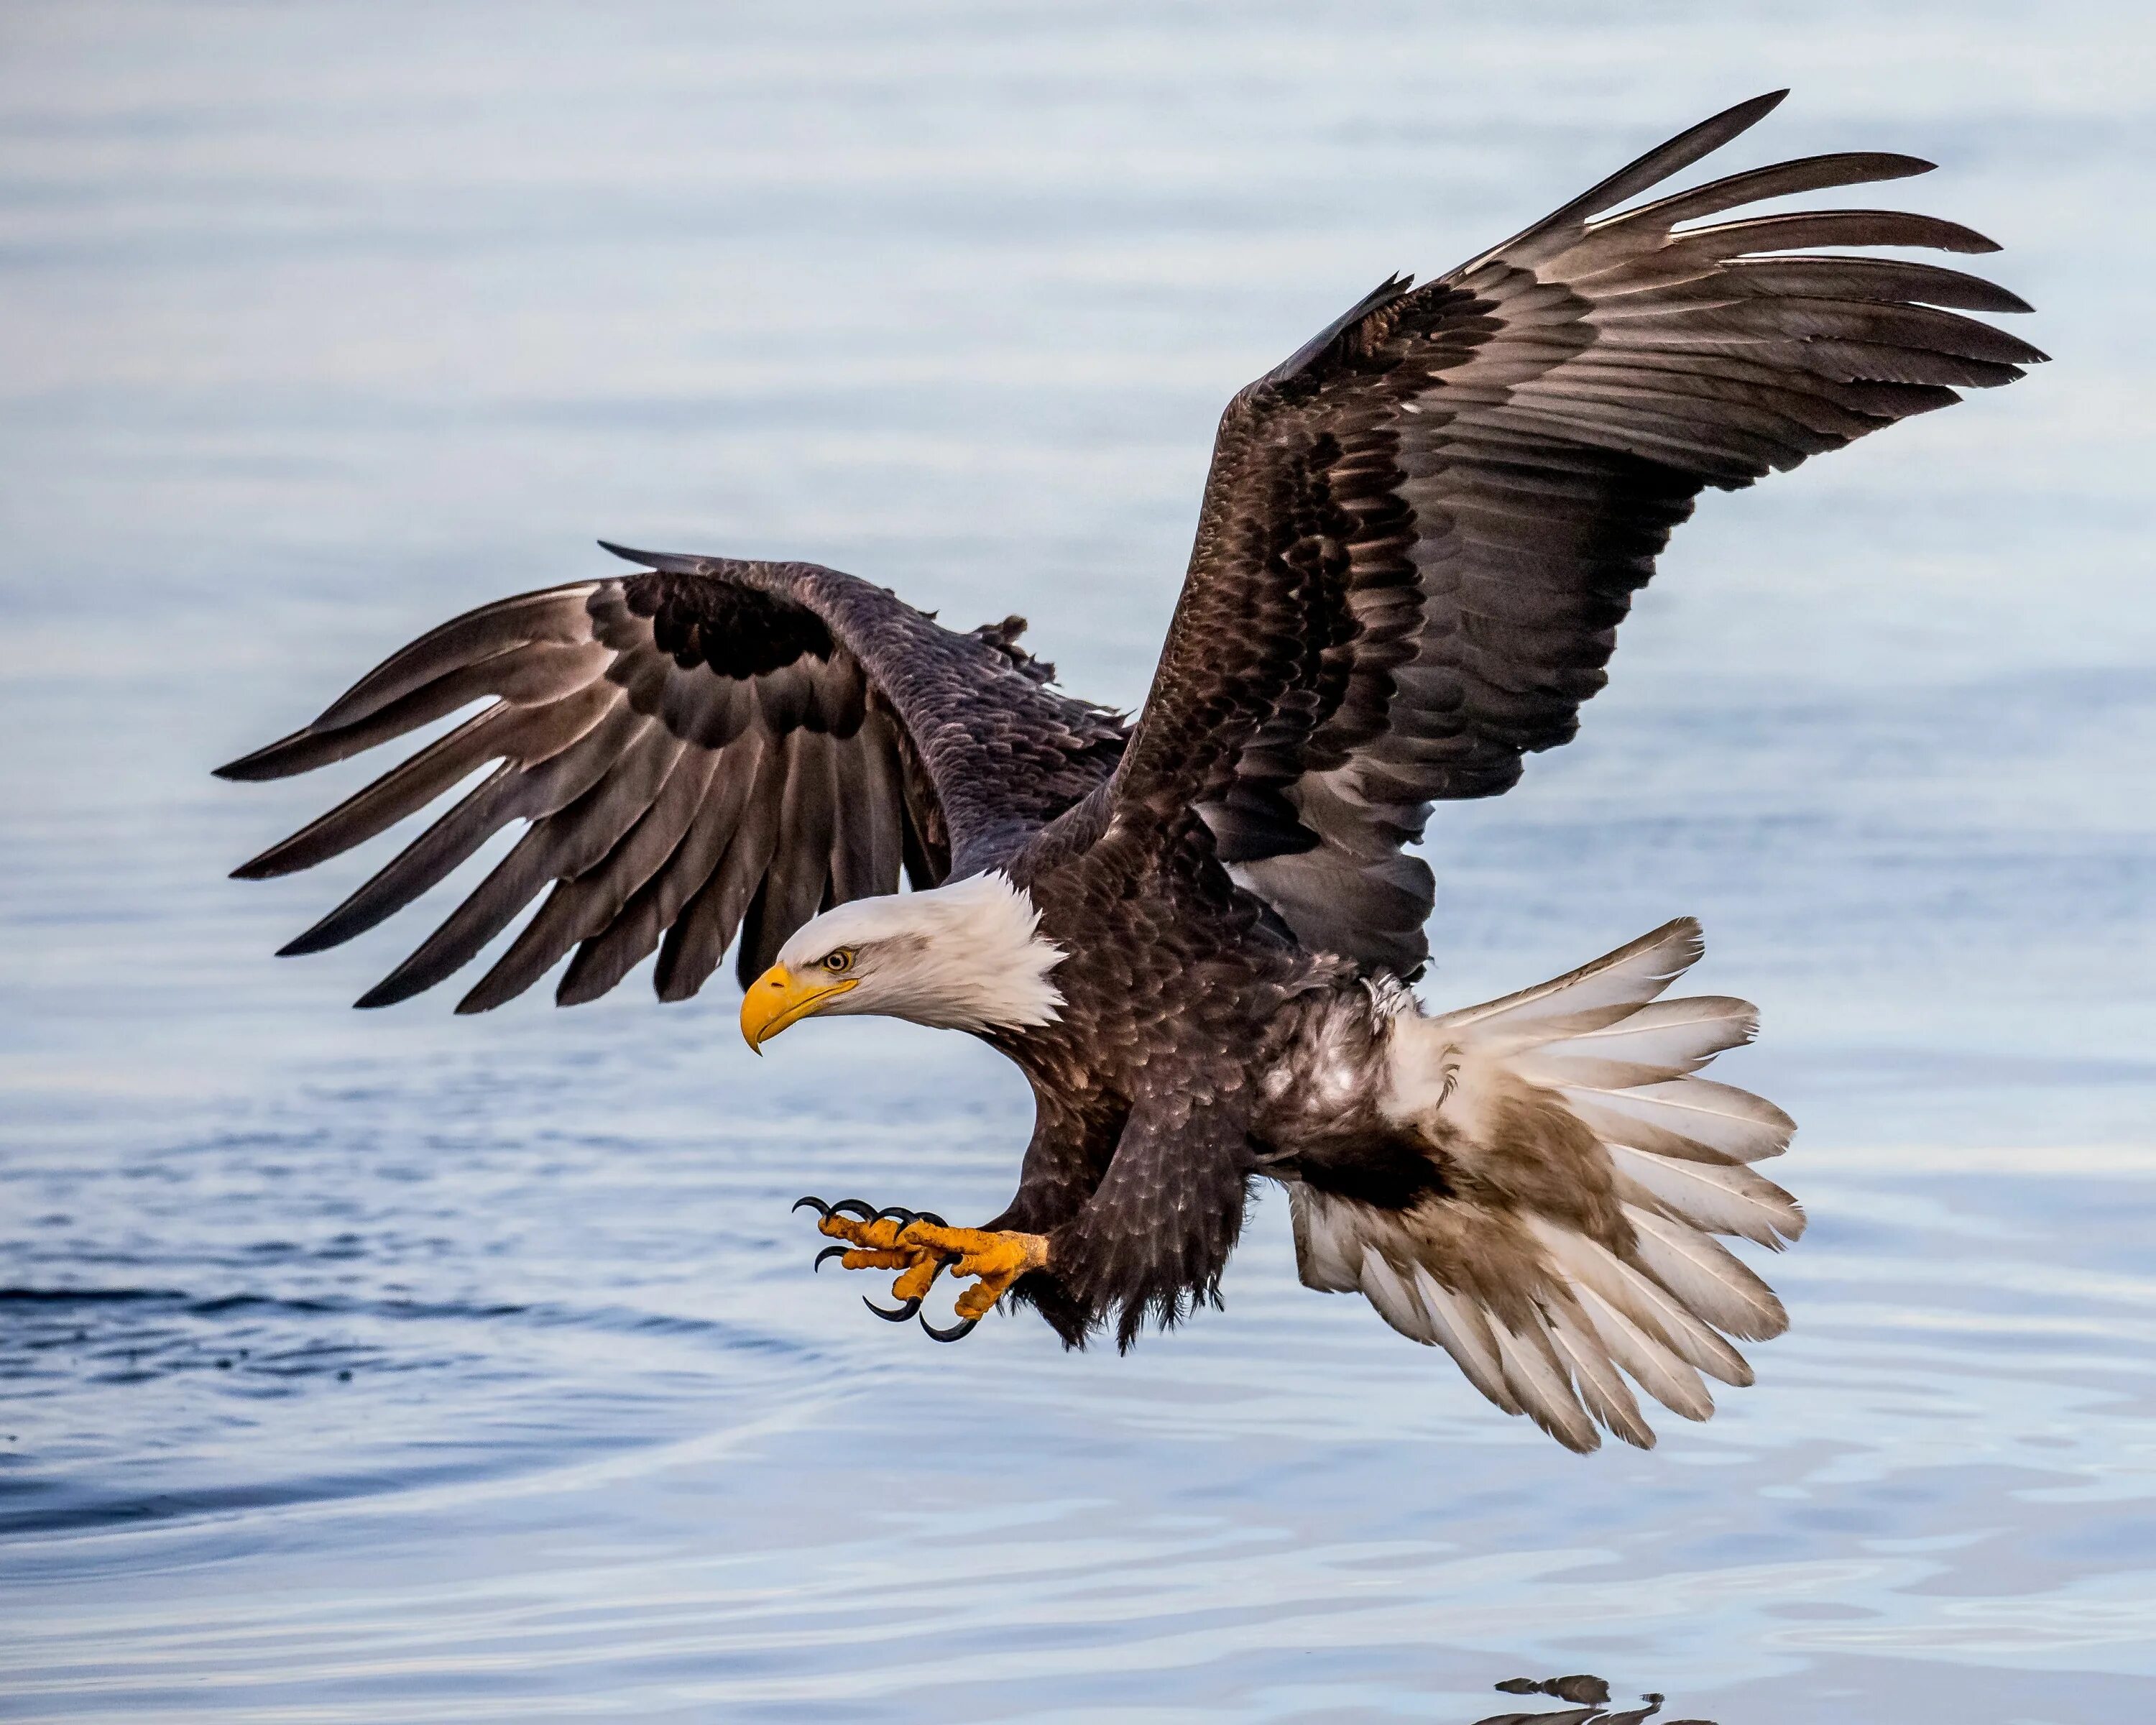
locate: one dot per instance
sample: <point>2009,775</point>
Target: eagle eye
<point>837,962</point>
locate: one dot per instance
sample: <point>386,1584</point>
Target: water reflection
<point>1591,1696</point>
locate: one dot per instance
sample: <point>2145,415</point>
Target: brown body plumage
<point>1417,538</point>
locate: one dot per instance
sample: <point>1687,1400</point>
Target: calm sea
<point>393,1366</point>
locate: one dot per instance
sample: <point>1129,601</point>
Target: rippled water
<point>395,1367</point>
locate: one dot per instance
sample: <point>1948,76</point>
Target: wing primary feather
<point>523,736</point>
<point>1809,173</point>
<point>520,676</point>
<point>1646,170</point>
<point>579,908</point>
<point>559,845</point>
<point>554,616</point>
<point>1885,279</point>
<point>512,792</point>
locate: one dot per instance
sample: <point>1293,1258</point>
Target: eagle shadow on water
<point>1196,931</point>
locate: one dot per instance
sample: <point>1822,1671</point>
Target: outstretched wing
<point>1420,533</point>
<point>708,746</point>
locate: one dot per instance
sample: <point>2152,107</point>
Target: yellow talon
<point>876,1260</point>
<point>915,1283</point>
<point>879,1235</point>
<point>992,1260</point>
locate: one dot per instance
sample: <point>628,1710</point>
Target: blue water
<point>396,1367</point>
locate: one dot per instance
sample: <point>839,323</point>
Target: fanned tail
<point>1586,1170</point>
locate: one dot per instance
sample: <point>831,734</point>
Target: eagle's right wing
<point>709,746</point>
<point>1420,533</point>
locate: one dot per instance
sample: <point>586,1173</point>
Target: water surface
<point>396,1367</point>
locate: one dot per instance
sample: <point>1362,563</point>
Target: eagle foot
<point>920,1245</point>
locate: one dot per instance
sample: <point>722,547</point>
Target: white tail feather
<point>1466,1334</point>
<point>1560,1069</point>
<point>1630,976</point>
<point>1397,1303</point>
<point>1686,1034</point>
<point>1700,1273</point>
<point>1663,1314</point>
<point>1652,1044</point>
<point>1532,1375</point>
<point>1652,1367</point>
<point>1718,1116</point>
<point>1328,1251</point>
<point>1719,1197</point>
<point>1594,1375</point>
<point>1651,1308</point>
<point>1416,1305</point>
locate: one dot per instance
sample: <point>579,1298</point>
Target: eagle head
<point>967,956</point>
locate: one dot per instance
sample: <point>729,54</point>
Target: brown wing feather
<point>1420,533</point>
<point>707,748</point>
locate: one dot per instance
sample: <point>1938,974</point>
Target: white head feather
<point>967,956</point>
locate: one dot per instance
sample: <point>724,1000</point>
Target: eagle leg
<point>921,1246</point>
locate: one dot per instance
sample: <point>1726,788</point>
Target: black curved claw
<point>836,1251</point>
<point>898,1210</point>
<point>957,1331</point>
<point>858,1207</point>
<point>898,1316</point>
<point>931,1219</point>
<point>816,1204</point>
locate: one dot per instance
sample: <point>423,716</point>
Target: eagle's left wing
<point>1420,533</point>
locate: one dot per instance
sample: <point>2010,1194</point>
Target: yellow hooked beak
<point>778,998</point>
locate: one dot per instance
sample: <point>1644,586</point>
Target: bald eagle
<point>1195,932</point>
